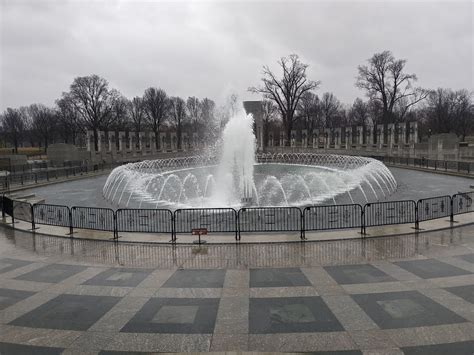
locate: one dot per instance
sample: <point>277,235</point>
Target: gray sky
<point>214,49</point>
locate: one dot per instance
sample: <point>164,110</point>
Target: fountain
<point>238,177</point>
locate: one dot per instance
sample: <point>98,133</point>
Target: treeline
<point>90,104</point>
<point>289,101</point>
<point>392,97</point>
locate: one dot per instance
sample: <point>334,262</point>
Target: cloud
<point>215,48</point>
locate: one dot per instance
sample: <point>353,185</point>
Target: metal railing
<point>432,164</point>
<point>215,220</point>
<point>228,220</point>
<point>270,219</point>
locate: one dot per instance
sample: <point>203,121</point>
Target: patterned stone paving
<point>421,303</point>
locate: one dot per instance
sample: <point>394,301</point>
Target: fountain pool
<point>237,177</point>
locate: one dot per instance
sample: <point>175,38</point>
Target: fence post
<point>362,221</point>
<point>115,227</point>
<point>417,223</point>
<point>236,225</point>
<point>33,227</point>
<point>173,227</point>
<point>71,230</point>
<point>451,215</point>
<point>303,234</point>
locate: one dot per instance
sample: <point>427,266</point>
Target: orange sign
<point>199,231</point>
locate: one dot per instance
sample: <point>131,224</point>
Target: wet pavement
<point>408,294</point>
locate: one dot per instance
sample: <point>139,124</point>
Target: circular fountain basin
<point>302,180</point>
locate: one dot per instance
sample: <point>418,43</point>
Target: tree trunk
<point>178,133</point>
<point>157,139</point>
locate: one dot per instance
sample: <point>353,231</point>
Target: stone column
<point>369,132</point>
<point>141,145</point>
<point>337,138</point>
<point>90,140</point>
<point>413,137</point>
<point>327,138</point>
<point>316,138</point>
<point>293,139</point>
<point>304,138</point>
<point>112,144</point>
<point>391,135</point>
<point>401,135</point>
<point>174,142</point>
<point>360,135</point>
<point>184,141</point>
<point>380,135</point>
<point>163,142</point>
<point>348,133</point>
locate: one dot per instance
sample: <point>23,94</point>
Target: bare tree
<point>359,112</point>
<point>269,114</point>
<point>288,90</point>
<point>44,122</point>
<point>136,111</point>
<point>384,80</point>
<point>13,123</point>
<point>208,108</point>
<point>178,116</point>
<point>156,104</point>
<point>464,113</point>
<point>331,110</point>
<point>194,111</point>
<point>69,121</point>
<point>94,101</point>
<point>310,111</point>
<point>119,115</point>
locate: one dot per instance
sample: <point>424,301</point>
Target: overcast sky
<point>213,49</point>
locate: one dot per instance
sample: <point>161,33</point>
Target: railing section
<point>144,220</point>
<point>220,220</point>
<point>391,212</point>
<point>332,217</point>
<point>270,219</point>
<point>462,202</point>
<point>433,208</point>
<point>102,219</point>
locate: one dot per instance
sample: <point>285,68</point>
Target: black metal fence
<point>228,220</point>
<point>443,165</point>
<point>21,178</point>
<point>215,220</point>
<point>434,207</point>
<point>144,220</point>
<point>391,212</point>
<point>332,217</point>
<point>270,219</point>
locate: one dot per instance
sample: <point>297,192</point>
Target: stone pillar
<point>121,137</point>
<point>348,133</point>
<point>413,137</point>
<point>369,133</point>
<point>316,138</point>
<point>360,135</point>
<point>380,135</point>
<point>293,138</point>
<point>174,142</point>
<point>337,138</point>
<point>163,142</point>
<point>402,131</point>
<point>90,140</point>
<point>390,135</point>
<point>184,141</point>
<point>304,138</point>
<point>112,144</point>
<point>152,140</point>
<point>141,141</point>
<point>131,136</point>
<point>100,140</point>
<point>327,138</point>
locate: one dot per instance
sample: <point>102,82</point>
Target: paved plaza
<point>409,294</point>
